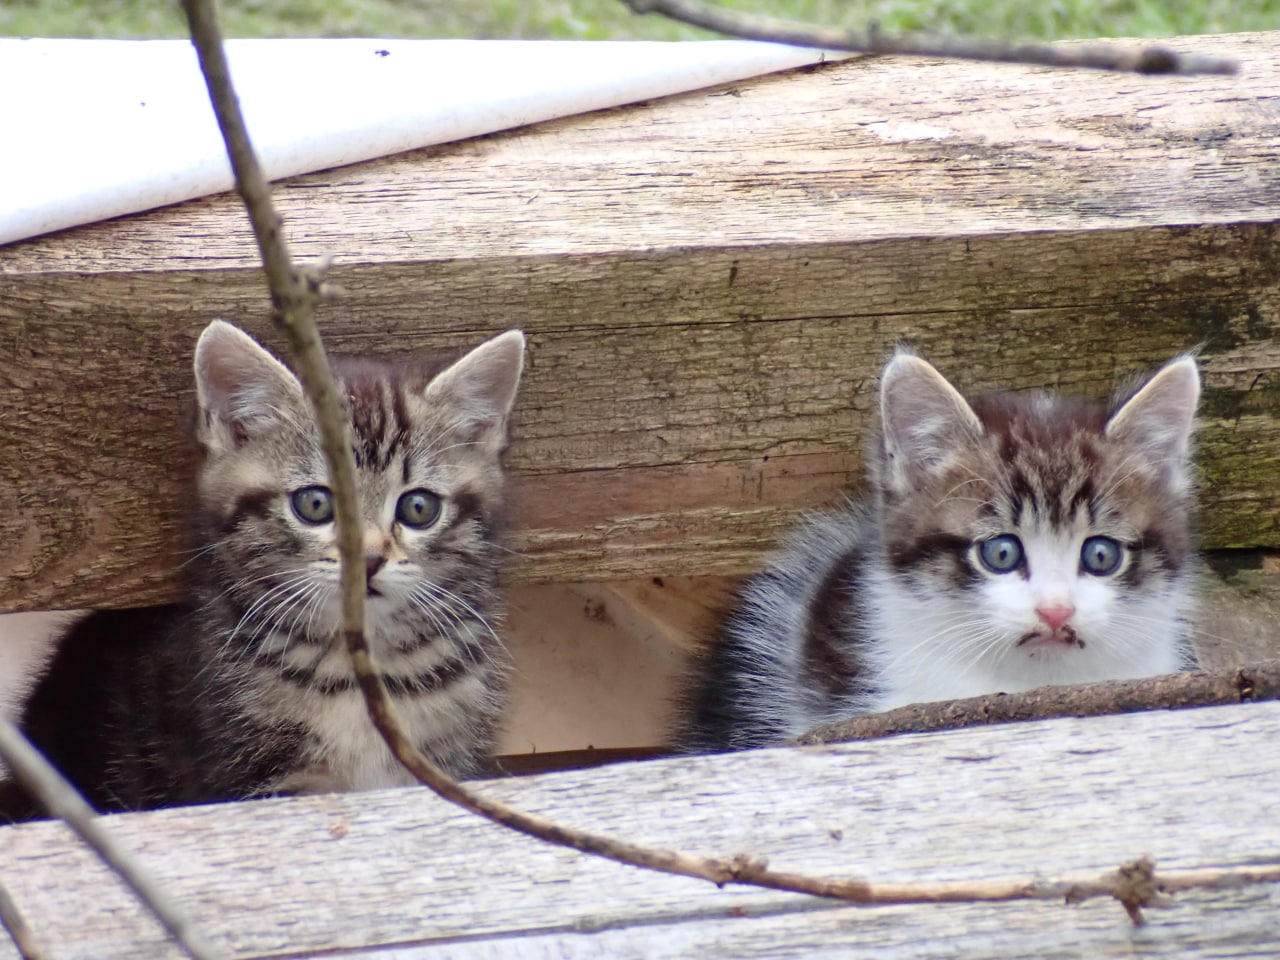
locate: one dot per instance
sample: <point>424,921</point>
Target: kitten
<point>1008,542</point>
<point>246,690</point>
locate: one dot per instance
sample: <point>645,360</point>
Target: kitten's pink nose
<point>1056,616</point>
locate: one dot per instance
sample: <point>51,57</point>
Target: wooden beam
<point>401,873</point>
<point>710,283</point>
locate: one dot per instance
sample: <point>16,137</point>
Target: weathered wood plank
<point>1236,924</point>
<point>709,282</point>
<point>401,870</point>
<point>906,147</point>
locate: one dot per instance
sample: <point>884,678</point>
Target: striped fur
<point>247,690</point>
<point>889,601</point>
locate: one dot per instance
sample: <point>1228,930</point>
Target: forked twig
<point>1093,56</point>
<point>293,306</point>
<point>45,783</point>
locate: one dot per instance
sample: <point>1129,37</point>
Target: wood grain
<point>710,283</point>
<point>362,875</point>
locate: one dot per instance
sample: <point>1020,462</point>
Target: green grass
<point>606,19</point>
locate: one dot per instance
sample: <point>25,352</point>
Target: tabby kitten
<point>1008,542</point>
<point>247,690</point>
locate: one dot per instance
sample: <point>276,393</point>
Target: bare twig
<point>1179,691</point>
<point>13,923</point>
<point>293,304</point>
<point>61,799</point>
<point>1095,56</point>
<point>1259,681</point>
<point>294,292</point>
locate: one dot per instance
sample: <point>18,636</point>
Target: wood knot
<point>1244,685</point>
<point>741,866</point>
<point>1135,886</point>
<point>1158,60</point>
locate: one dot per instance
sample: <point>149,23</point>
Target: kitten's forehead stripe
<point>399,412</point>
<point>380,419</point>
<point>369,420</point>
<point>1085,499</point>
<point>402,438</point>
<point>1023,496</point>
<point>400,432</point>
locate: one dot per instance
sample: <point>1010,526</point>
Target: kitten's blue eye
<point>1002,554</point>
<point>313,504</point>
<point>1101,556</point>
<point>418,508</point>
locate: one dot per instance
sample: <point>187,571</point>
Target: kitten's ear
<point>923,419</point>
<point>1159,417</point>
<point>240,387</point>
<point>480,389</point>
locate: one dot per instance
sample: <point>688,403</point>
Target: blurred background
<point>610,19</point>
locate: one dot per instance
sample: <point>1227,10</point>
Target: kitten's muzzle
<point>1062,637</point>
<point>1054,617</point>
<point>373,562</point>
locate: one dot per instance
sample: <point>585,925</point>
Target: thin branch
<point>1094,56</point>
<point>1254,682</point>
<point>1123,885</point>
<point>1259,681</point>
<point>294,293</point>
<point>48,786</point>
<point>13,923</point>
<point>293,304</point>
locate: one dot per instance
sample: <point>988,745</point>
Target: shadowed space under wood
<point>709,282</point>
<point>357,875</point>
<point>597,666</point>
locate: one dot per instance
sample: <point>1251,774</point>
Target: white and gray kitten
<point>1007,542</point>
<point>246,689</point>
